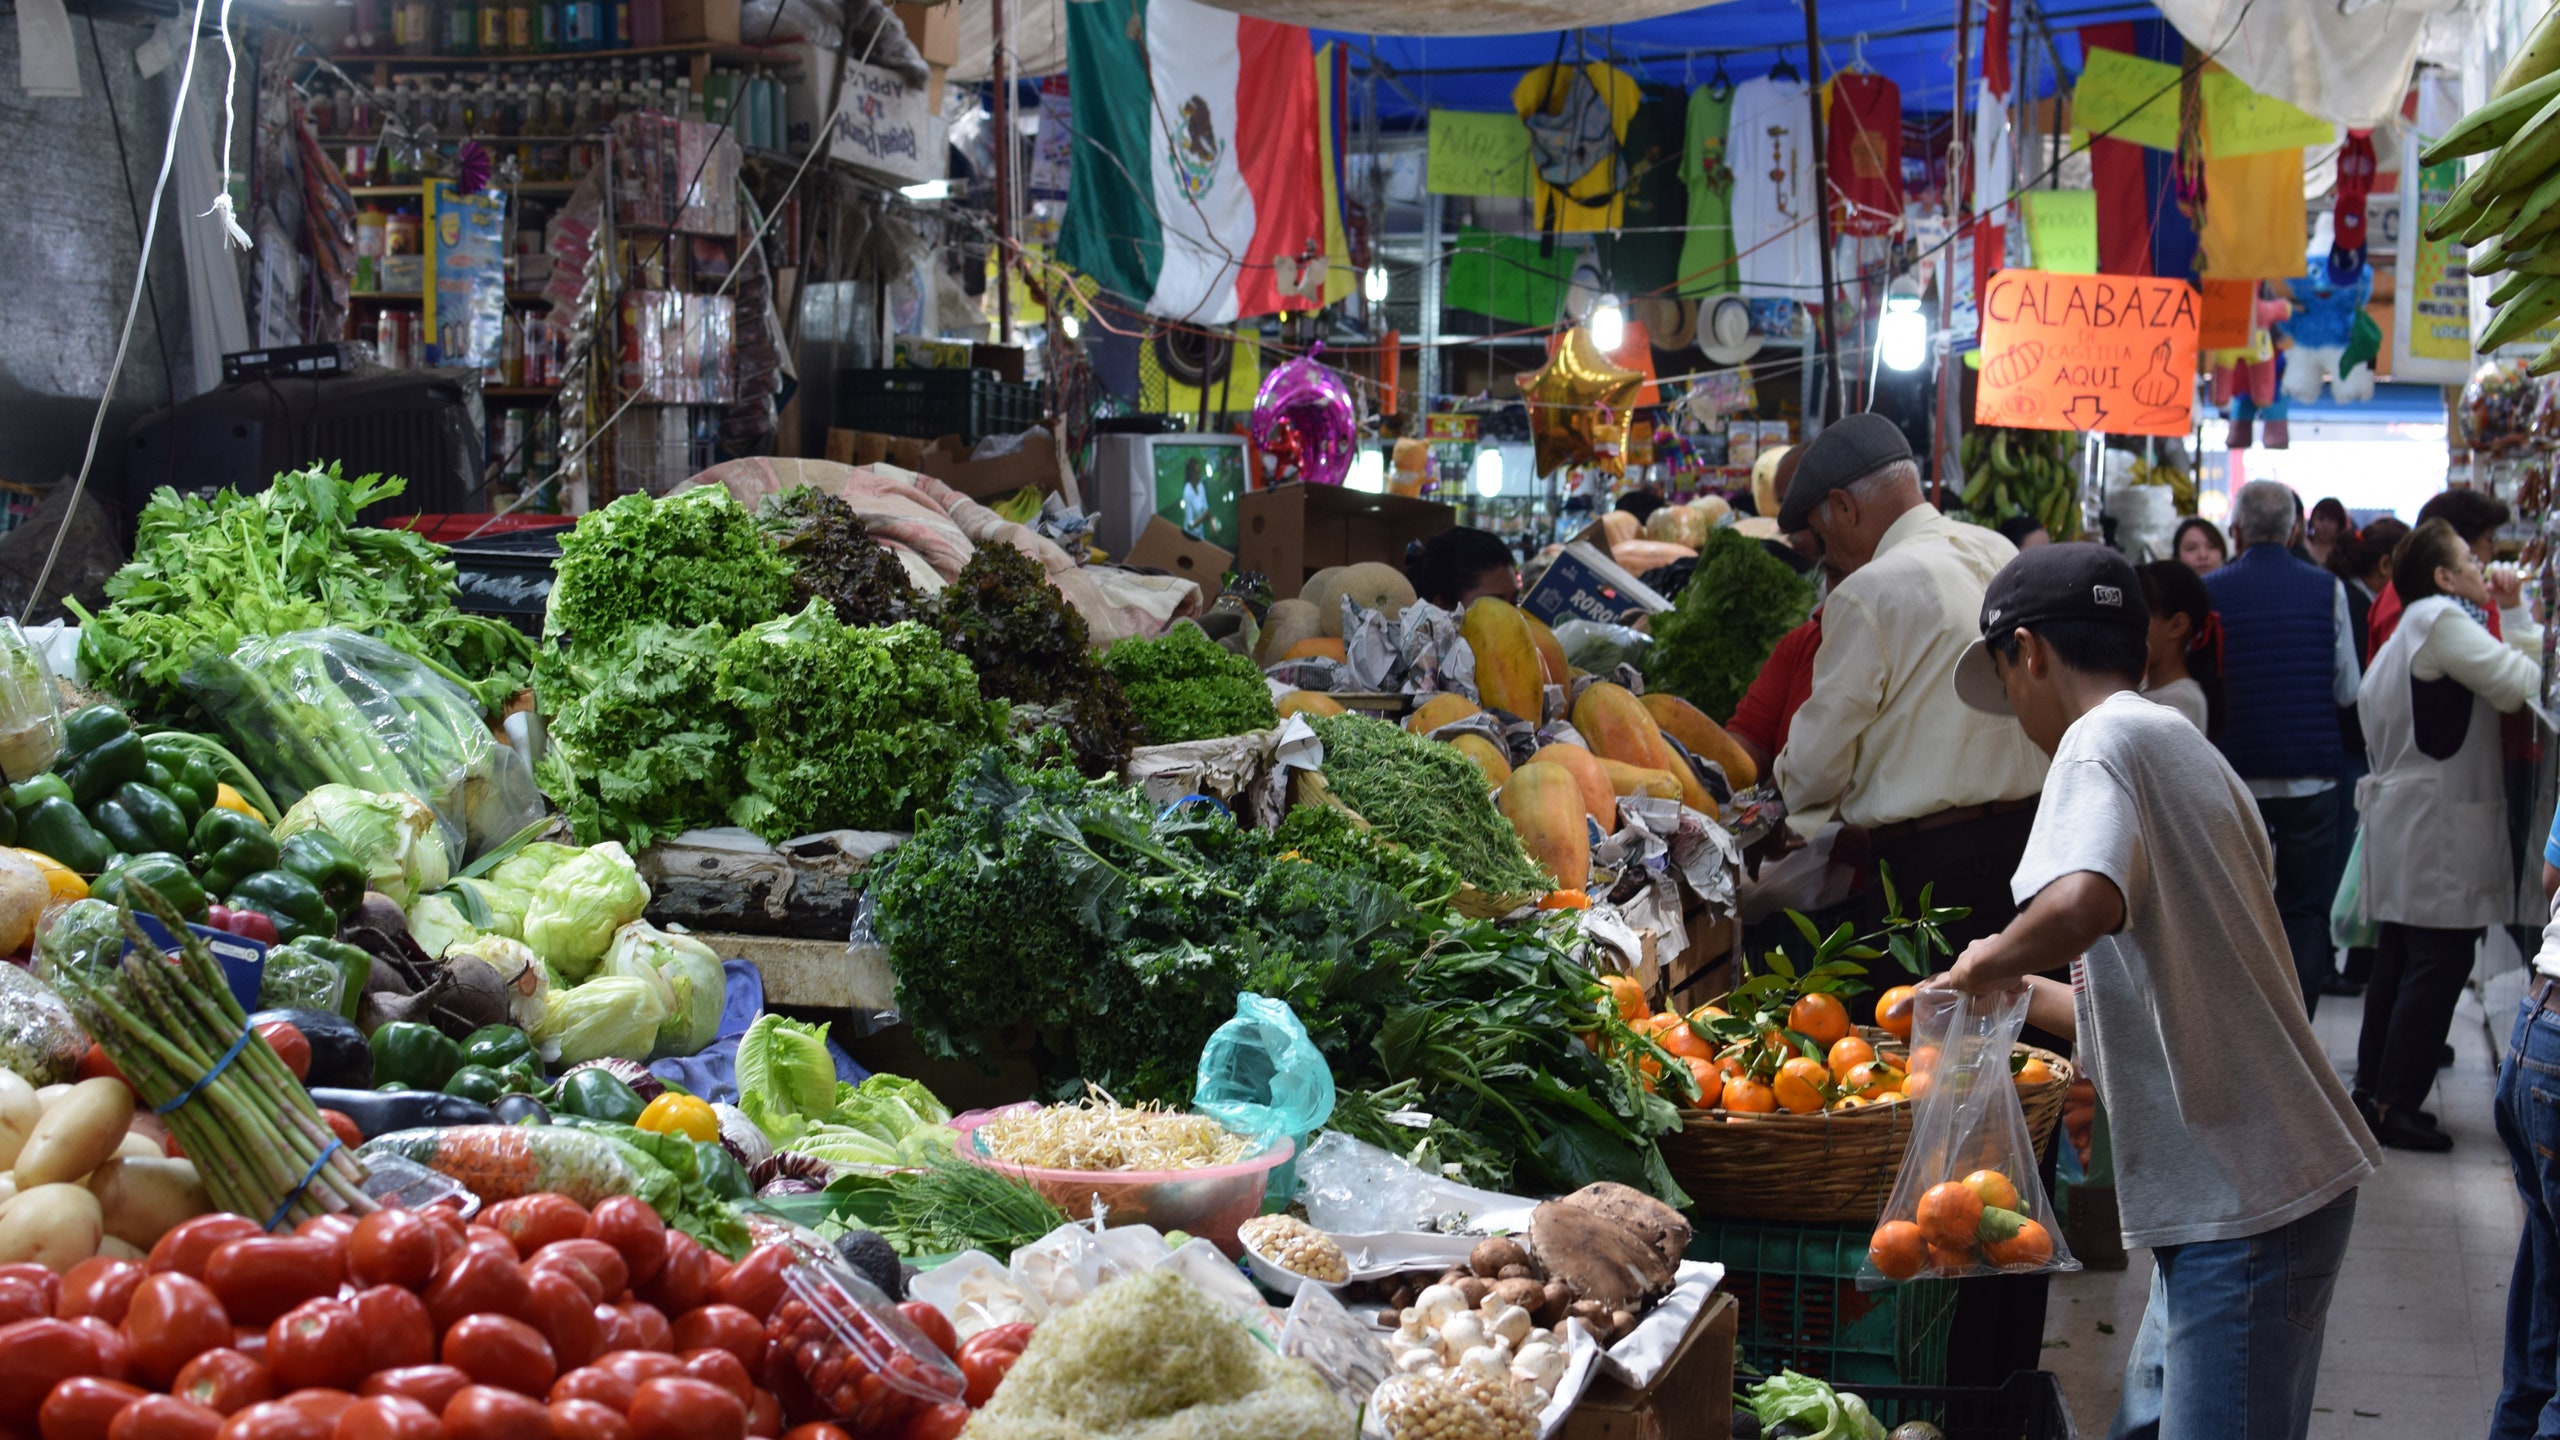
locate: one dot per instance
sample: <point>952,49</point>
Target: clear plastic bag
<point>1599,648</point>
<point>1968,1201</point>
<point>30,707</point>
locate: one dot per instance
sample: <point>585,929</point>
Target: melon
<point>1678,525</point>
<point>1371,586</point>
<point>1439,710</point>
<point>1319,589</point>
<point>1289,622</point>
<point>1320,648</point>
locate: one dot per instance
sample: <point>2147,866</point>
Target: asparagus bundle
<point>167,1020</point>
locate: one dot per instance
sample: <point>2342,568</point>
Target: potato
<point>115,1249</point>
<point>19,1112</point>
<point>51,1095</point>
<point>136,1146</point>
<point>79,1133</point>
<point>144,1198</point>
<point>23,893</point>
<point>56,1226</point>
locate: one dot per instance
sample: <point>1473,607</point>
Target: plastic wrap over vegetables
<point>579,904</point>
<point>613,1016</point>
<point>691,972</point>
<point>438,925</point>
<point>404,851</point>
<point>39,1038</point>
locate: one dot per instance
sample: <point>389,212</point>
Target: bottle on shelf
<point>519,27</point>
<point>417,27</point>
<point>648,26</point>
<point>462,27</point>
<point>547,20</point>
<point>369,235</point>
<point>511,350</point>
<point>493,27</point>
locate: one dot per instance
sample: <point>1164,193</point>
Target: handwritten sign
<point>1472,154</point>
<point>2128,99</point>
<point>2240,121</point>
<point>2229,308</point>
<point>2088,352</point>
<point>883,126</point>
<point>2062,230</point>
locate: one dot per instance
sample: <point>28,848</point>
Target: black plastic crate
<point>2028,1407</point>
<point>507,576</point>
<point>929,404</point>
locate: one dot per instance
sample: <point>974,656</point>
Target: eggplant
<point>340,1058</point>
<point>521,1110</point>
<point>379,1112</point>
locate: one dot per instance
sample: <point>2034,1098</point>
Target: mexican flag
<point>1196,157</point>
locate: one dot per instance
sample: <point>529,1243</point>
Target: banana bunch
<point>2508,211</point>
<point>2182,486</point>
<point>2010,472</point>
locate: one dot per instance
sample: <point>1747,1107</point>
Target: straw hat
<point>1725,332</point>
<point>1672,321</point>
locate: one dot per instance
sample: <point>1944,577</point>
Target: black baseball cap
<point>1847,451</point>
<point>2077,581</point>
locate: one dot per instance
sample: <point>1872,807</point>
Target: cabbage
<point>497,909</point>
<point>438,925</point>
<point>611,1015</point>
<point>630,962</point>
<point>691,972</point>
<point>396,837</point>
<point>843,1145</point>
<point>579,904</point>
<point>524,869</point>
<point>890,1106</point>
<point>786,1078</point>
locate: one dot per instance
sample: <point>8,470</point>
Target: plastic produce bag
<point>1589,645</point>
<point>1968,1201</point>
<point>296,979</point>
<point>30,706</point>
<point>1260,1075</point>
<point>2350,927</point>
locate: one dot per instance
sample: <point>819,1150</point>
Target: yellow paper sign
<point>1475,154</point>
<point>2088,352</point>
<point>2128,99</point>
<point>2062,230</point>
<point>2240,121</point>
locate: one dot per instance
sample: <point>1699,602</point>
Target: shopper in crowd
<point>2436,864</point>
<point>2330,528</point>
<point>1767,710</point>
<point>2476,516</point>
<point>2148,874</point>
<point>1461,565</point>
<point>1641,503</point>
<point>2198,545</point>
<point>2183,664</point>
<point>2024,531</point>
<point>2365,566</point>
<point>2527,1407</point>
<point>2288,665</point>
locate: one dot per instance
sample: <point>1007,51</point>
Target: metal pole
<point>1821,212</point>
<point>1001,73</point>
<point>1959,204</point>
<point>1431,277</point>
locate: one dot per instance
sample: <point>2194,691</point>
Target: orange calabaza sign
<point>2088,352</point>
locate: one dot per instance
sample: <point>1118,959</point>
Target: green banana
<point>2537,57</point>
<point>2547,361</point>
<point>2461,207</point>
<point>2539,214</point>
<point>2527,156</point>
<point>2501,215</point>
<point>2493,124</point>
<point>2521,316</point>
<point>2516,283</point>
<point>2492,257</point>
<point>2003,461</point>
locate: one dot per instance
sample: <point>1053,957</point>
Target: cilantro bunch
<point>1428,797</point>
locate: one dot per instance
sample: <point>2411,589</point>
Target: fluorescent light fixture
<point>1902,332</point>
<point>1488,472</point>
<point>927,190</point>
<point>1374,285</point>
<point>1607,323</point>
<point>1369,472</point>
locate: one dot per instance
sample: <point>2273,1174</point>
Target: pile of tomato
<point>538,1320</point>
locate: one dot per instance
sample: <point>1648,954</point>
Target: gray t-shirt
<point>2226,1116</point>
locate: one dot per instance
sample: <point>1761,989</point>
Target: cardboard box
<point>866,447</point>
<point>1583,583</point>
<point>1289,532</point>
<point>1036,463</point>
<point>694,20</point>
<point>1692,1396</point>
<point>935,29</point>
<point>808,93</point>
<point>1164,547</point>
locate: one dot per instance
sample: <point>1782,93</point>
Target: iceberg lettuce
<point>691,973</point>
<point>404,850</point>
<point>579,904</point>
<point>610,1015</point>
<point>786,1078</point>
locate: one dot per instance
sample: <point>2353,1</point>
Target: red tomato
<point>558,1308</point>
<point>115,1353</point>
<point>164,1417</point>
<point>681,1408</point>
<point>985,1370</point>
<point>250,1340</point>
<point>289,1044</point>
<point>613,1274</point>
<point>398,1332</point>
<point>816,1430</point>
<point>476,1282</point>
<point>640,1365</point>
<point>684,1281</point>
<point>259,1279</point>
<point>82,1407</point>
<point>321,1403</point>
<point>764,1414</point>
<point>333,1227</point>
<point>722,1369</point>
<point>615,1330</point>
<point>537,1220</point>
<point>604,1387</point>
<point>342,1125</point>
<point>650,1330</point>
<point>173,1319</point>
<point>484,1412</point>
<point>388,1417</point>
<point>394,1247</point>
<point>224,1381</point>
<point>495,1350</point>
<point>631,1227</point>
<point>722,1327</point>
<point>449,1224</point>
<point>480,1237</point>
<point>939,1422</point>
<point>1012,1336</point>
<point>28,1292</point>
<point>928,1317</point>
<point>587,1420</point>
<point>191,1243</point>
<point>433,1386</point>
<point>99,1286</point>
<point>319,1343</point>
<point>94,1065</point>
<point>755,1283</point>
<point>276,1420</point>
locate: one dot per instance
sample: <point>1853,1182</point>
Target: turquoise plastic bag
<point>1261,1076</point>
<point>2349,927</point>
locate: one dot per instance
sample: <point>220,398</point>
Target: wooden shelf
<point>403,192</point>
<point>520,392</point>
<point>719,50</point>
<point>386,192</point>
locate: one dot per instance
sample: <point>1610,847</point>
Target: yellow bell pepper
<point>229,799</point>
<point>63,883</point>
<point>673,1114</point>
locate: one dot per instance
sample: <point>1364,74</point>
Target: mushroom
<point>1516,1272</point>
<point>1552,1304</point>
<point>1540,1363</point>
<point>1512,1325</point>
<point>1462,1333</point>
<point>1525,1294</point>
<point>1439,1302</point>
<point>1492,1257</point>
<point>1418,1360</point>
<point>1474,1288</point>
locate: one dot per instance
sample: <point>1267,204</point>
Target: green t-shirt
<point>1706,257</point>
<point>1645,257</point>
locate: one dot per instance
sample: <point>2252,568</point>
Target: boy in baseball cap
<point>2148,872</point>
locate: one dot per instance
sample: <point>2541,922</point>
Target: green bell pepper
<point>289,900</point>
<point>27,794</point>
<point>332,869</point>
<point>232,847</point>
<point>99,753</point>
<point>162,872</point>
<point>56,827</point>
<point>597,1095</point>
<point>8,826</point>
<point>190,783</point>
<point>353,964</point>
<point>154,813</point>
<point>123,829</point>
<point>420,1057</point>
<point>475,1082</point>
<point>524,1077</point>
<point>91,726</point>
<point>496,1046</point>
<point>720,1172</point>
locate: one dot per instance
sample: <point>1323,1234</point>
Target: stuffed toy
<point>2245,379</point>
<point>2323,326</point>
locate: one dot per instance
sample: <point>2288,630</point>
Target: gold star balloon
<point>1578,406</point>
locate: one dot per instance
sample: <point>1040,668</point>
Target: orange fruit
<point>1684,1042</point>
<point>1748,1096</point>
<point>1847,1053</point>
<point>2029,1248</point>
<point>1849,1102</point>
<point>1915,1084</point>
<point>2034,1072</point>
<point>1945,1261</point>
<point>1872,1080</point>
<point>1949,1214</point>
<point>1709,1080</point>
<point>1897,1251</point>
<point>1887,1001</point>
<point>1994,1188</point>
<point>1628,996</point>
<point>1799,1085</point>
<point>1775,1041</point>
<point>1705,1013</point>
<point>1819,1018</point>
<point>1924,1058</point>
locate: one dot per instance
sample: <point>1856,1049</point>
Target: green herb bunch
<point>1187,687</point>
<point>1428,797</point>
<point>836,560</point>
<point>1030,647</point>
<point>1739,602</point>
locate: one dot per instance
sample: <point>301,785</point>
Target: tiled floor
<point>2418,1323</point>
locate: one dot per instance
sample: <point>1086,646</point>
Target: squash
<point>1640,780</point>
<point>2014,366</point>
<point>1678,525</point>
<point>1371,585</point>
<point>1320,648</point>
<point>1618,727</point>
<point>1489,759</point>
<point>1550,649</point>
<point>1320,589</point>
<point>1442,709</point>
<point>1639,556</point>
<point>1620,527</point>
<point>1599,797</point>
<point>1544,803</point>
<point>1510,674</point>
<point>1705,738</point>
<point>1289,622</point>
<point>1308,702</point>
<point>1714,507</point>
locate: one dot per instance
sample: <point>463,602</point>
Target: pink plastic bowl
<point>1209,1202</point>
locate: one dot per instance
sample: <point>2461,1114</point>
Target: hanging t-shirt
<point>1770,147</point>
<point>1645,257</point>
<point>1706,253</point>
<point>2253,217</point>
<point>1547,90</point>
<point>1862,139</point>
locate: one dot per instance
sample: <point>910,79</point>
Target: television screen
<point>1196,488</point>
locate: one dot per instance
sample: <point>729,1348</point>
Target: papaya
<point>1321,647</point>
<point>1308,702</point>
<point>1705,738</point>
<point>1620,527</point>
<point>1618,727</point>
<point>1442,709</point>
<point>1550,650</point>
<point>1544,803</point>
<point>1489,759</point>
<point>1625,779</point>
<point>1510,675</point>
<point>1599,798</point>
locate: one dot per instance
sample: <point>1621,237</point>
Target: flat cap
<point>1847,451</point>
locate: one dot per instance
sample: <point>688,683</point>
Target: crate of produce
<point>1801,1308</point>
<point>2029,1407</point>
<point>507,575</point>
<point>930,404</point>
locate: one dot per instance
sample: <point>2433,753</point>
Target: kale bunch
<point>1739,603</point>
<point>1028,646</point>
<point>1187,687</point>
<point>837,559</point>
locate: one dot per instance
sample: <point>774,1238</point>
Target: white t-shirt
<point>2226,1117</point>
<point>2186,697</point>
<point>1770,150</point>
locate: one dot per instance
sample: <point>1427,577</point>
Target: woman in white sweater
<point>2436,865</point>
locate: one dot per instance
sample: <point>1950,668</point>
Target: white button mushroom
<point>1461,1333</point>
<point>1512,1324</point>
<point>1419,1360</point>
<point>1541,1362</point>
<point>1438,1302</point>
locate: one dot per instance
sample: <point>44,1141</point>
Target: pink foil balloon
<point>1308,402</point>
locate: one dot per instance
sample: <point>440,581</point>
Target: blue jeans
<point>2304,832</point>
<point>2230,1344</point>
<point>2529,1121</point>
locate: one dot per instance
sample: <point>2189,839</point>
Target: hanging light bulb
<point>1369,473</point>
<point>1488,472</point>
<point>1070,326</point>
<point>1607,323</point>
<point>1902,332</point>
<point>1374,285</point>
